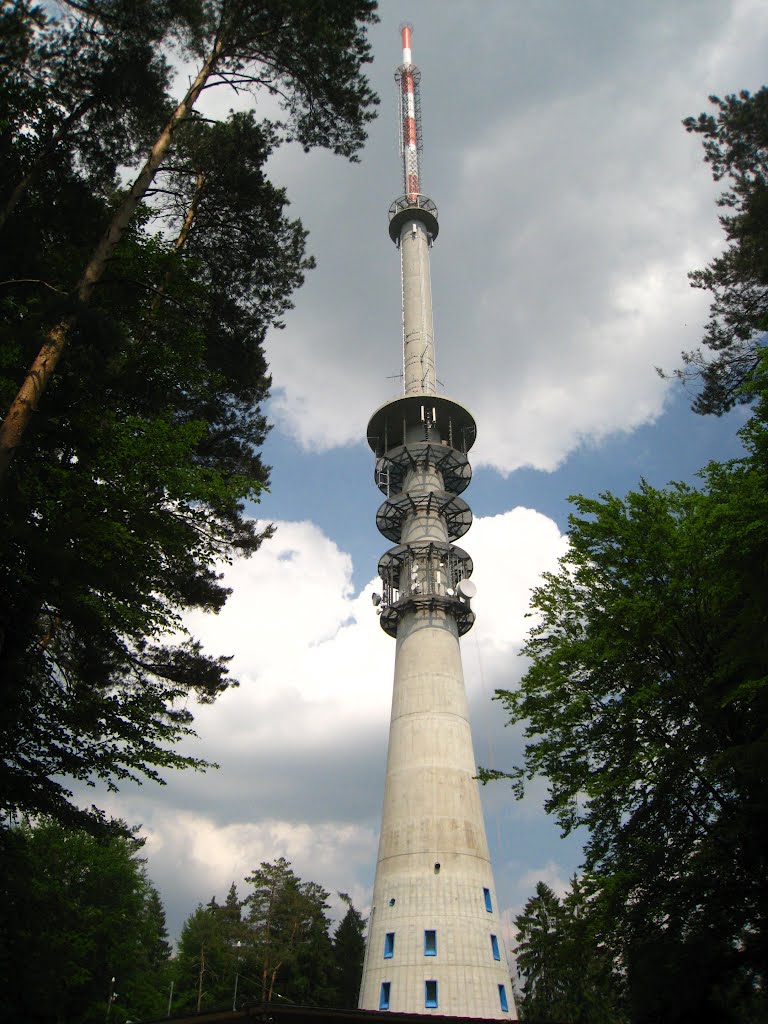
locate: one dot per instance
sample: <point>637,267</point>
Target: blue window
<point>487,897</point>
<point>494,948</point>
<point>430,943</point>
<point>384,995</point>
<point>430,994</point>
<point>503,999</point>
<point>389,945</point>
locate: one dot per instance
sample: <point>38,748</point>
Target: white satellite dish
<point>466,589</point>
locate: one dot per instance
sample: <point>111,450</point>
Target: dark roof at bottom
<point>281,1014</point>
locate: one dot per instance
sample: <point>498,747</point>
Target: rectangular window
<point>487,897</point>
<point>495,948</point>
<point>503,999</point>
<point>389,945</point>
<point>430,994</point>
<point>430,943</point>
<point>384,996</point>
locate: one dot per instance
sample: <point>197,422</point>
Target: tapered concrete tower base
<point>433,868</point>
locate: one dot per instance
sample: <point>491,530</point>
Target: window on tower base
<point>430,994</point>
<point>503,999</point>
<point>384,996</point>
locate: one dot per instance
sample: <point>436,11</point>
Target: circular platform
<point>421,417</point>
<point>395,510</point>
<point>407,208</point>
<point>442,565</point>
<point>462,613</point>
<point>392,467</point>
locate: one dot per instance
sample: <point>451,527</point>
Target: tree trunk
<point>24,405</point>
<point>272,981</point>
<point>200,977</point>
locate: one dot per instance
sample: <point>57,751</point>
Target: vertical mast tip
<point>406,30</point>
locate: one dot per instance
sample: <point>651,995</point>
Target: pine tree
<point>135,481</point>
<point>735,141</point>
<point>310,53</point>
<point>348,954</point>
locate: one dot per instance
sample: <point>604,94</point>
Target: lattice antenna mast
<point>413,228</point>
<point>408,78</point>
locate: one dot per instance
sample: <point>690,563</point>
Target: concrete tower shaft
<point>434,938</point>
<point>418,329</point>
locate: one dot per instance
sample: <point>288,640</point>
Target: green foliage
<point>646,708</point>
<point>349,954</point>
<point>207,960</point>
<point>91,81</point>
<point>274,945</point>
<point>136,476</point>
<point>735,143</point>
<point>288,927</point>
<point>78,911</point>
<point>568,974</point>
<point>308,54</point>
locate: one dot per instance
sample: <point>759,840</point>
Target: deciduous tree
<point>646,708</point>
<point>78,911</point>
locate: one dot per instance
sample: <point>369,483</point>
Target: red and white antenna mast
<point>408,77</point>
<point>413,228</point>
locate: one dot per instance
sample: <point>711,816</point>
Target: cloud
<point>302,741</point>
<point>550,874</point>
<point>573,204</point>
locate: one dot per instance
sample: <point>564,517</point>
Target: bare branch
<point>33,280</point>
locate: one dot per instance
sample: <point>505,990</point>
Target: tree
<point>646,706</point>
<point>348,954</point>
<point>273,945</point>
<point>309,53</point>
<point>735,141</point>
<point>288,928</point>
<point>539,931</point>
<point>133,484</point>
<point>78,911</point>
<point>205,967</point>
<point>568,974</point>
<point>91,80</point>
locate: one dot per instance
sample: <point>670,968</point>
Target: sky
<point>572,205</point>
